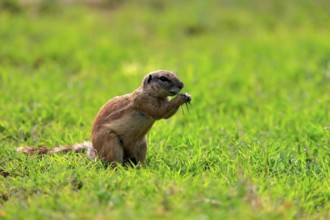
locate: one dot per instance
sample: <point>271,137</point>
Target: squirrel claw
<point>187,97</point>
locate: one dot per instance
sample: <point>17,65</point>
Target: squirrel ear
<point>149,78</point>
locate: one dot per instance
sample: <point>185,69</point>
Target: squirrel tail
<point>44,150</point>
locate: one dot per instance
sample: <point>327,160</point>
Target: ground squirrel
<point>120,127</point>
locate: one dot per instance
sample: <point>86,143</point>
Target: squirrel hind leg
<point>108,148</point>
<point>136,154</point>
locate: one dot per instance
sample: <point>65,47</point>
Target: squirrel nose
<point>181,85</point>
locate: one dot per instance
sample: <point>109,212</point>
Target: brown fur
<point>119,129</point>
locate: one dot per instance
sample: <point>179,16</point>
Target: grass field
<point>255,143</point>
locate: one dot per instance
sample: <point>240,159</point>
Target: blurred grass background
<point>254,144</point>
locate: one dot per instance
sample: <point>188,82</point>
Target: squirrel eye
<point>165,79</point>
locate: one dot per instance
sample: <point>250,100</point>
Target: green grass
<point>255,143</point>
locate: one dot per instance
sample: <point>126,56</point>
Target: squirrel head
<point>162,83</point>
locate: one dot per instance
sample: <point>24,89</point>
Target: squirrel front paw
<point>185,97</point>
